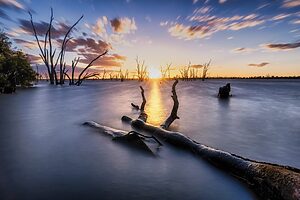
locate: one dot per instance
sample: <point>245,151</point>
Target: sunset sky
<point>242,37</point>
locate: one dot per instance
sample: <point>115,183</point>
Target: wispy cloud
<point>290,3</point>
<point>204,25</point>
<point>12,4</point>
<point>222,1</point>
<point>25,43</point>
<point>58,30</point>
<point>280,17</point>
<point>34,59</point>
<point>282,46</point>
<point>242,50</point>
<point>258,64</point>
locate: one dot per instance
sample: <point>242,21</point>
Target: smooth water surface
<point>46,153</point>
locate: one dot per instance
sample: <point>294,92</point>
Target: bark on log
<point>132,138</point>
<point>269,181</point>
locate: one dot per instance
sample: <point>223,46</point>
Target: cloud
<point>195,1</point>
<point>34,59</point>
<point>282,46</point>
<point>242,50</point>
<point>25,43</point>
<point>114,60</point>
<point>123,25</point>
<point>296,21</point>
<point>222,1</point>
<point>259,64</point>
<point>205,25</point>
<point>12,4</point>
<point>90,48</point>
<point>58,30</point>
<point>86,45</point>
<point>280,17</point>
<point>290,3</point>
<point>165,23</point>
<point>100,27</point>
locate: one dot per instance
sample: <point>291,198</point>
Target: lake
<point>46,152</point>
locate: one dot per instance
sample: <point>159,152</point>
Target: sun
<point>154,73</point>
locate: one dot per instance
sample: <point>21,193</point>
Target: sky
<point>240,37</point>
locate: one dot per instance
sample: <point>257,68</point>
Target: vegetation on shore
<point>15,69</point>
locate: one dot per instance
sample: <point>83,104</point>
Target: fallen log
<point>132,138</point>
<point>267,180</point>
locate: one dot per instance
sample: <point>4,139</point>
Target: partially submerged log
<point>268,181</point>
<point>224,92</point>
<point>148,144</point>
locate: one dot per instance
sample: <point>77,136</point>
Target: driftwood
<point>268,181</point>
<point>132,138</point>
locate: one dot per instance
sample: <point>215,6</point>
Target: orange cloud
<point>259,64</point>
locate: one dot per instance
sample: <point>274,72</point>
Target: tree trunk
<point>268,181</point>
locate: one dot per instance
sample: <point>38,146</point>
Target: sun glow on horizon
<point>154,73</point>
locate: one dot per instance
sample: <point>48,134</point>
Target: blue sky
<point>243,38</point>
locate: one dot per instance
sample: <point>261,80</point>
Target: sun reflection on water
<point>154,106</point>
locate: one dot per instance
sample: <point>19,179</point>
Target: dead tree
<point>141,69</point>
<point>103,75</point>
<point>83,76</point>
<point>185,71</point>
<point>47,53</point>
<point>269,181</point>
<point>205,69</point>
<point>165,71</point>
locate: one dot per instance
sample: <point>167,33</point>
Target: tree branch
<point>173,116</point>
<point>79,81</point>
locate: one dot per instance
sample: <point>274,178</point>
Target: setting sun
<point>154,73</point>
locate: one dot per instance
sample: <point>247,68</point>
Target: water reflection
<point>154,107</point>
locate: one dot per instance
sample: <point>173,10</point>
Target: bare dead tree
<point>103,74</point>
<point>165,71</point>
<point>126,74</point>
<point>185,72</point>
<point>47,53</point>
<point>205,69</point>
<point>141,69</point>
<point>269,181</point>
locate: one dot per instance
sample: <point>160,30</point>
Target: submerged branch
<point>173,116</point>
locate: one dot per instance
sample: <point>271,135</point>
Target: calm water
<point>45,152</point>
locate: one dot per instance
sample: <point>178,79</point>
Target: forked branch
<point>143,115</point>
<point>173,116</point>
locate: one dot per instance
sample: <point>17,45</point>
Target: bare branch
<point>173,116</point>
<point>79,81</point>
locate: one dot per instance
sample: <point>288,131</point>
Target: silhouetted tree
<point>14,67</point>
